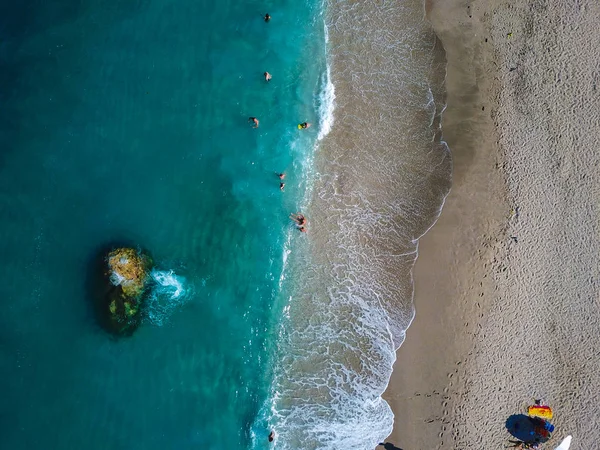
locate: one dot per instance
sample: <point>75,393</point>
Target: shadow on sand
<point>389,446</point>
<point>529,430</point>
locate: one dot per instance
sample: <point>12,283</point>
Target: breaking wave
<point>168,292</point>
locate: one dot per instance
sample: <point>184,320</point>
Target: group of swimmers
<point>299,219</point>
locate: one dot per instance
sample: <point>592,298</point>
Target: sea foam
<point>168,292</point>
<point>326,103</point>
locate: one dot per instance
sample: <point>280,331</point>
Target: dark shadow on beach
<point>389,446</point>
<point>527,429</point>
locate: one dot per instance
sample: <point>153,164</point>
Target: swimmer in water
<point>271,436</point>
<point>281,175</point>
<point>255,120</point>
<point>302,229</point>
<point>303,125</point>
<point>298,218</point>
<point>267,17</point>
<point>268,76</point>
<point>281,186</point>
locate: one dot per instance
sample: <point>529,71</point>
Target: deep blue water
<point>126,122</point>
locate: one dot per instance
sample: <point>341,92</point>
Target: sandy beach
<point>507,283</point>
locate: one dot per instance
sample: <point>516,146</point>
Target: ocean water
<point>125,122</point>
<point>380,180</point>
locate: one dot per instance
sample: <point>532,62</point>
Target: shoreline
<point>380,177</point>
<point>446,295</point>
<point>506,305</point>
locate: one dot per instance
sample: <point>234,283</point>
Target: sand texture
<point>507,284</point>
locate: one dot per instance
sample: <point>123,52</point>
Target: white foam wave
<point>286,252</point>
<point>339,363</point>
<point>169,291</point>
<point>326,104</point>
<point>169,283</point>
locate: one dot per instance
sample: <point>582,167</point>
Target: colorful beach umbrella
<point>543,412</point>
<point>530,430</point>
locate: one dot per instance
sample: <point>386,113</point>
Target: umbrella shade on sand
<point>531,430</point>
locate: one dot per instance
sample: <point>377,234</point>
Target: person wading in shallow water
<point>271,436</point>
<point>299,219</point>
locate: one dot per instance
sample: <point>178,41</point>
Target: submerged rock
<point>126,280</point>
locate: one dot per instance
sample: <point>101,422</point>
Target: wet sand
<point>507,289</point>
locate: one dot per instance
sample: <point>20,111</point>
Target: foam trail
<point>169,283</point>
<point>326,104</point>
<point>168,292</point>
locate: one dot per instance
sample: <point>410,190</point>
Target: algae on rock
<point>128,275</point>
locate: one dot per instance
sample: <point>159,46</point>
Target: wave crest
<point>168,292</point>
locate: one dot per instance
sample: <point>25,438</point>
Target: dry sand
<point>507,284</point>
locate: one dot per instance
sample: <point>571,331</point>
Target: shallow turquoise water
<point>126,122</point>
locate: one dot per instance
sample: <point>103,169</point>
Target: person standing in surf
<point>300,219</point>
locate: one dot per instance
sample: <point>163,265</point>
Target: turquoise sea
<point>125,122</point>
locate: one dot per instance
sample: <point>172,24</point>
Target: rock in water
<point>127,279</point>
